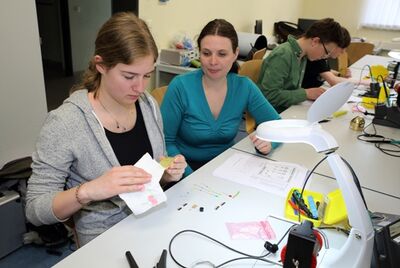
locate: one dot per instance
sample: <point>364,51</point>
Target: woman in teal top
<point>202,110</point>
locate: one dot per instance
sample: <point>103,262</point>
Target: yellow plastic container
<point>289,211</point>
<point>331,210</point>
<point>370,102</point>
<point>378,70</point>
<point>335,210</point>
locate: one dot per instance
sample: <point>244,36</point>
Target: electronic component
<point>387,116</point>
<point>387,240</point>
<point>374,89</point>
<point>300,247</point>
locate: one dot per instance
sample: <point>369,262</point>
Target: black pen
<point>131,260</point>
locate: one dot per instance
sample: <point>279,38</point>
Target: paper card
<point>152,194</point>
<point>166,162</point>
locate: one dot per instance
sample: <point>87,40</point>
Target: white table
<point>165,72</point>
<point>147,235</point>
<point>371,60</point>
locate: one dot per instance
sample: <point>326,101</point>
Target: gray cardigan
<point>72,149</point>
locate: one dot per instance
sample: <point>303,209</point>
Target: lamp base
<point>387,116</point>
<point>357,252</point>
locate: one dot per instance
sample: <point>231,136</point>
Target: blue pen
<point>313,207</point>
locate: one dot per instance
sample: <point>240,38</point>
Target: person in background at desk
<point>318,71</point>
<point>282,70</point>
<point>87,147</point>
<point>202,110</point>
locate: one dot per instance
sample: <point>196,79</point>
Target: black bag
<point>261,42</point>
<point>14,176</point>
<point>283,28</point>
<point>17,169</point>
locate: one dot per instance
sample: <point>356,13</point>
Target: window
<point>382,14</point>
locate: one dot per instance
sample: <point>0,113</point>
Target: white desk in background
<point>147,235</point>
<point>376,171</point>
<point>165,72</point>
<point>371,60</point>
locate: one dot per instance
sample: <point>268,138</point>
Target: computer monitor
<point>258,27</point>
<point>304,24</point>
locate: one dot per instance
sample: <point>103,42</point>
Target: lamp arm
<point>357,251</point>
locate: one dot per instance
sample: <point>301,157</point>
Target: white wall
<point>86,18</point>
<point>349,14</point>
<point>174,16</point>
<point>22,101</point>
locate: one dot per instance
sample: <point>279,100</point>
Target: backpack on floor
<point>14,176</point>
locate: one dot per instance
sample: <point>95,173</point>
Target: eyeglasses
<point>327,53</point>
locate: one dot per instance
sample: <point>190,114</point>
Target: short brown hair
<point>329,30</point>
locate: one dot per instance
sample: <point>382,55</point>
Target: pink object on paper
<point>152,200</point>
<point>251,230</point>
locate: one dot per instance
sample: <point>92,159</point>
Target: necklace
<point>111,115</point>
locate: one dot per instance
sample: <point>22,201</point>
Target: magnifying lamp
<point>357,250</point>
<point>395,54</point>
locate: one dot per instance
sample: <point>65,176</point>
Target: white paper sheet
<point>153,194</point>
<point>270,176</point>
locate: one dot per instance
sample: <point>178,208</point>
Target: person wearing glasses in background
<point>318,71</point>
<point>282,71</point>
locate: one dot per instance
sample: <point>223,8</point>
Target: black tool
<point>300,202</point>
<point>162,263</point>
<point>131,260</point>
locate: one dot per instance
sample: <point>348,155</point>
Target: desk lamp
<point>395,54</point>
<point>357,250</point>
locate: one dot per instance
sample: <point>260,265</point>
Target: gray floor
<point>34,256</point>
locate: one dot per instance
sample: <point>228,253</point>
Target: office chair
<point>342,63</point>
<point>259,54</point>
<point>158,94</point>
<point>251,69</point>
<point>357,50</point>
<point>70,223</point>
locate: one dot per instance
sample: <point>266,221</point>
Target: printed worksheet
<point>270,176</point>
